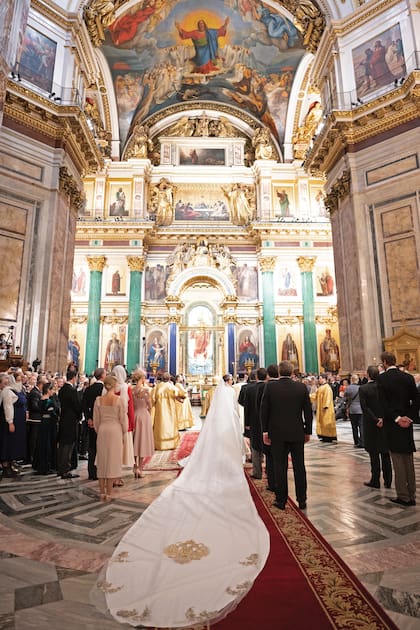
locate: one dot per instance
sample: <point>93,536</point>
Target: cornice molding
<point>64,123</point>
<point>54,13</point>
<point>361,16</point>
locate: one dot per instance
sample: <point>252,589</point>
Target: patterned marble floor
<point>55,536</point>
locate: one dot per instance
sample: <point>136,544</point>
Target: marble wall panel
<point>403,278</point>
<point>397,221</point>
<point>21,167</point>
<point>13,219</point>
<point>12,252</point>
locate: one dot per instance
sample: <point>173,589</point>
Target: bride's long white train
<point>197,549</point>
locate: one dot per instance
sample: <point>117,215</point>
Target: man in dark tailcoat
<point>286,415</point>
<point>90,395</point>
<point>374,438</point>
<point>400,401</point>
<point>253,422</point>
<point>71,413</point>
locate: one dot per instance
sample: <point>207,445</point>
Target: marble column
<point>267,264</point>
<point>172,348</point>
<point>231,349</point>
<point>96,267</point>
<point>306,265</point>
<point>136,266</point>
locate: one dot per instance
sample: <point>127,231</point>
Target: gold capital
<point>135,263</point>
<point>96,263</point>
<point>267,263</point>
<point>306,263</point>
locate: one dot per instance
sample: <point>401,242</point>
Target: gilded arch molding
<point>189,277</point>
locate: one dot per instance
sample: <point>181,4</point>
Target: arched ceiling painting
<point>242,53</point>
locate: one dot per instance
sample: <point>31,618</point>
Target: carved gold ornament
<point>306,263</point>
<point>267,263</point>
<point>96,263</point>
<point>183,552</point>
<point>135,263</point>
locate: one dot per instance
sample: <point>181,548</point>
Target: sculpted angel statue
<point>162,202</point>
<point>239,207</point>
<point>262,144</point>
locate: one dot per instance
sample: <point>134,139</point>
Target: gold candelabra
<point>249,366</point>
<point>154,365</point>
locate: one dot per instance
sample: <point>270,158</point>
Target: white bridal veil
<point>197,549</point>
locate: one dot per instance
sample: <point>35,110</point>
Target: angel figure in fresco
<point>206,45</point>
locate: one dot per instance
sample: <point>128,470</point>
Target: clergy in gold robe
<point>185,418</point>
<point>165,427</point>
<point>325,416</point>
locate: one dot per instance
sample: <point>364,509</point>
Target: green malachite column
<point>136,266</point>
<point>267,264</point>
<point>96,267</point>
<point>306,265</point>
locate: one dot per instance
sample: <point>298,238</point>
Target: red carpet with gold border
<point>168,460</point>
<point>304,584</point>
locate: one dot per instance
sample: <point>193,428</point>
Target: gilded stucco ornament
<point>68,186</point>
<point>135,263</point>
<point>267,263</point>
<point>306,263</point>
<point>338,191</point>
<point>96,263</point>
<point>98,15</point>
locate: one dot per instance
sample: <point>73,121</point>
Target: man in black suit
<point>286,415</point>
<point>70,416</point>
<point>400,401</point>
<point>374,438</point>
<point>90,395</point>
<point>253,422</point>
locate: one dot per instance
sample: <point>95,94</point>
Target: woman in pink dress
<point>110,423</point>
<point>143,431</point>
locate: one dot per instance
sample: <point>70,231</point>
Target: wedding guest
<point>124,391</point>
<point>90,395</point>
<point>373,432</point>
<point>70,416</point>
<point>286,416</point>
<point>45,456</point>
<point>143,431</point>
<point>110,423</point>
<point>12,427</point>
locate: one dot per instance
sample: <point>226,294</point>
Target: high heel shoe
<point>138,474</point>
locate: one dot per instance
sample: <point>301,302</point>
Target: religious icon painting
<point>201,157</point>
<point>80,280</point>
<point>119,199</point>
<point>115,281</point>
<point>379,61</point>
<point>324,280</point>
<point>284,202</point>
<point>155,351</point>
<point>317,200</point>
<point>248,358</point>
<point>88,203</point>
<point>200,345</point>
<point>200,202</point>
<point>37,60</point>
<point>286,281</point>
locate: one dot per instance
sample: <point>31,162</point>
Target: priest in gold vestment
<point>326,428</point>
<point>165,426</point>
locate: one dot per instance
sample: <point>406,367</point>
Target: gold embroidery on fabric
<point>121,557</point>
<point>239,588</point>
<point>204,615</point>
<point>183,552</point>
<point>107,587</point>
<point>252,559</point>
<point>134,615</point>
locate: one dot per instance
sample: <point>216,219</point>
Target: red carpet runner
<point>304,584</point>
<point>167,460</point>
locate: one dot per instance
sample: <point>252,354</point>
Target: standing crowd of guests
<point>50,422</point>
<point>114,422</point>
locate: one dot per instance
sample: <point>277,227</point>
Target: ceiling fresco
<point>238,52</point>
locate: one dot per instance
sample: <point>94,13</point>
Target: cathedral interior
<point>206,188</point>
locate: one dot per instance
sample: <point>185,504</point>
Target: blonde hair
<point>110,382</point>
<point>137,375</point>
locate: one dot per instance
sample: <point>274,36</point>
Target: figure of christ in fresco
<point>206,45</point>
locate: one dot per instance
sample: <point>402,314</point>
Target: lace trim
<point>183,552</point>
<point>121,557</point>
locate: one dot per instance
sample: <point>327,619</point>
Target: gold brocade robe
<point>165,427</point>
<point>184,414</point>
<point>325,416</point>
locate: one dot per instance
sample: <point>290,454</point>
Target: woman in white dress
<point>195,552</point>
